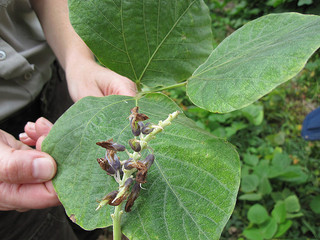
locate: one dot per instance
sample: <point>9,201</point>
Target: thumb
<point>25,166</point>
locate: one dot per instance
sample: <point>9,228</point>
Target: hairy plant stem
<point>144,139</point>
<point>116,217</point>
<point>165,88</point>
<point>138,85</point>
<point>173,86</point>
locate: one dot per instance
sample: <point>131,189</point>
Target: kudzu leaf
<point>191,187</point>
<point>249,183</point>
<point>157,43</point>
<point>263,231</point>
<point>265,186</point>
<point>251,197</point>
<point>283,228</point>
<point>269,228</point>
<point>279,212</point>
<point>254,60</point>
<point>257,214</point>
<point>292,204</point>
<point>253,233</point>
<point>315,204</point>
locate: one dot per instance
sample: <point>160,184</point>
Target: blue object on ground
<point>311,126</point>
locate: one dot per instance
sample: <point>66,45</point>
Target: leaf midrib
<point>164,39</point>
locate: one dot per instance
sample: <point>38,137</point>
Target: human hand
<point>85,76</point>
<point>91,79</point>
<point>25,173</point>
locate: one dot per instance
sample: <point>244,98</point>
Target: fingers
<point>115,84</point>
<point>26,139</point>
<point>43,126</point>
<point>24,172</point>
<point>39,142</point>
<point>25,166</point>
<point>27,196</point>
<point>33,131</point>
<point>95,80</point>
<point>125,87</point>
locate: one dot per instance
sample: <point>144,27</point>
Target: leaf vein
<point>104,16</point>
<point>178,199</point>
<point>199,195</point>
<point>199,169</point>
<point>165,37</point>
<point>164,211</point>
<point>125,42</point>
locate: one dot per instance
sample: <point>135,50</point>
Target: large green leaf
<point>191,188</point>
<point>254,60</point>
<point>157,43</point>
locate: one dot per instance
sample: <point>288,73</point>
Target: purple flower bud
<point>110,145</point>
<point>148,161</point>
<point>119,200</point>
<point>146,129</point>
<point>137,116</point>
<point>113,160</point>
<point>106,166</point>
<point>110,197</point>
<point>128,183</point>
<point>118,147</point>
<point>132,197</point>
<point>125,192</point>
<point>135,128</point>
<point>134,119</point>
<point>135,145</point>
<point>111,163</point>
<point>129,164</point>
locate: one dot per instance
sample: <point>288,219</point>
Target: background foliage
<point>279,195</point>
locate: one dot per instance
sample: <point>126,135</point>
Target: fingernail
<point>31,125</point>
<point>23,136</point>
<point>43,169</point>
<point>46,122</point>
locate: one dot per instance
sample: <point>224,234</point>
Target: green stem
<point>161,126</point>
<point>138,85</point>
<point>173,86</point>
<point>116,217</point>
<point>117,233</point>
<point>167,87</point>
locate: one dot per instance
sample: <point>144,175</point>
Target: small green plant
<point>256,174</point>
<point>193,183</point>
<point>256,186</point>
<point>262,225</point>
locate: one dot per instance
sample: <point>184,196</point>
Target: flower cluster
<point>130,173</point>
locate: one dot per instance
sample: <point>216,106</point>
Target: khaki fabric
<point>25,56</point>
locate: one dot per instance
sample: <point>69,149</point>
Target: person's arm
<point>85,77</point>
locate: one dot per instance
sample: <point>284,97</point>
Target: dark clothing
<point>53,101</point>
<point>44,224</point>
<point>311,126</point>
